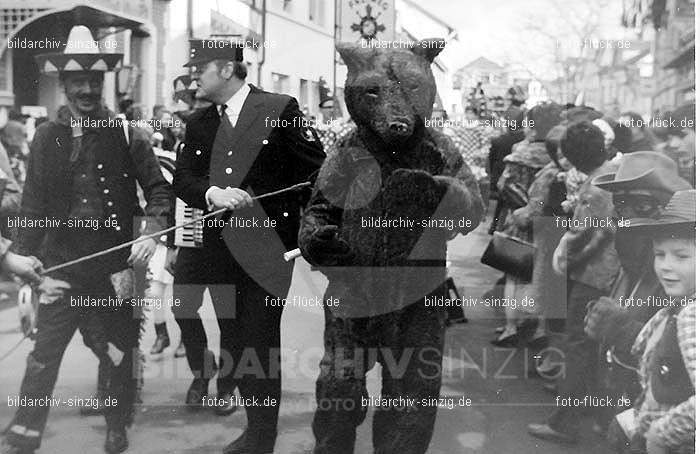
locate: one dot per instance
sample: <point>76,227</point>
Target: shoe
<point>527,328</point>
<point>545,432</point>
<point>162,339</point>
<point>196,393</point>
<point>116,441</point>
<point>245,445</point>
<point>180,351</point>
<point>508,341</point>
<point>7,448</point>
<point>225,404</point>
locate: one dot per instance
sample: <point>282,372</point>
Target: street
<point>493,380</point>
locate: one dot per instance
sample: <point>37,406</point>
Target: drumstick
<point>291,255</point>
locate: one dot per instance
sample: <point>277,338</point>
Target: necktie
<point>230,119</point>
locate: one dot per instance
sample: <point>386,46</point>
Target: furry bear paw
<point>326,248</point>
<point>417,189</point>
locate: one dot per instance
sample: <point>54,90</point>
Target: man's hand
<point>28,268</point>
<point>142,252</point>
<point>51,289</point>
<point>559,256</point>
<point>231,198</point>
<point>599,316</point>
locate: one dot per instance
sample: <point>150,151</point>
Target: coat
<point>119,165</point>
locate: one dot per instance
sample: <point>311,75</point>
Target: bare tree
<point>559,44</point>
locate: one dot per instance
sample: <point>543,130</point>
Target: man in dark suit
<point>249,142</point>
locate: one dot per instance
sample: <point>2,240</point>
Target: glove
<point>326,248</point>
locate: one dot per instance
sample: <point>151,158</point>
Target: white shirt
<point>233,110</point>
<point>235,104</point>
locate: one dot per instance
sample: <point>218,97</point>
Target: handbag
<point>510,255</point>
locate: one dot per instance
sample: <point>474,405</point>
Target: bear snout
<point>400,127</point>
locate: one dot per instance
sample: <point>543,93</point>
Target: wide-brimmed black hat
<point>648,170</point>
<point>677,216</point>
<point>205,50</point>
<point>82,53</point>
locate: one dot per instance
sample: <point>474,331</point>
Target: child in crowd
<point>663,419</point>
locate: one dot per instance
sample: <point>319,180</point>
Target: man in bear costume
<point>386,202</point>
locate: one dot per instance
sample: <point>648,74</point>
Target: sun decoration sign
<point>367,20</point>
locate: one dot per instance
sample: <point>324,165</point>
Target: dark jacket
<point>48,189</point>
<point>271,148</point>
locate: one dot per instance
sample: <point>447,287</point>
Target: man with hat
<point>249,142</point>
<point>82,174</point>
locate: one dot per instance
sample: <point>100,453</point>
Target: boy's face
<point>674,264</point>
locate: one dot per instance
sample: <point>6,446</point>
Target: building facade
<point>670,25</point>
<point>616,79</point>
<point>135,28</point>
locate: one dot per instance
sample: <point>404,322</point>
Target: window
<point>304,94</point>
<point>280,83</point>
<point>317,11</point>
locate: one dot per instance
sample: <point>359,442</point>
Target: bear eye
<point>372,92</point>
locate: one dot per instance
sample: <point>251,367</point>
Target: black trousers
<point>56,325</point>
<point>249,325</point>
<point>408,344</point>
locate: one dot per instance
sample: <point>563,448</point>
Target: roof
<point>483,64</point>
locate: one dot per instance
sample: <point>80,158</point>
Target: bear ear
<point>429,48</point>
<point>354,56</point>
